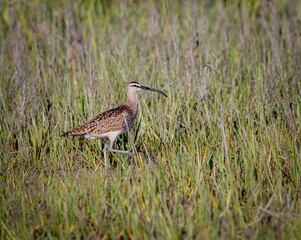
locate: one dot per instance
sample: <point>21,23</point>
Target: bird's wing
<point>110,120</point>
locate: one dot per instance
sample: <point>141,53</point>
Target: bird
<point>113,122</point>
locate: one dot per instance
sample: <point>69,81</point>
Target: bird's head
<point>134,87</point>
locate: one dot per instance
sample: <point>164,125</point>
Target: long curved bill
<point>152,89</point>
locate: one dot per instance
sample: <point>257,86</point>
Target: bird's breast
<point>131,119</point>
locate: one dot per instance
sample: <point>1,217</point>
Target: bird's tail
<point>66,134</point>
<point>74,132</point>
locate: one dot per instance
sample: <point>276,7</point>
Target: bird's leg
<point>105,153</point>
<point>119,151</point>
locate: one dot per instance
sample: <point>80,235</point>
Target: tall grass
<point>218,158</point>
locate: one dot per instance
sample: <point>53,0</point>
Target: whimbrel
<point>114,122</point>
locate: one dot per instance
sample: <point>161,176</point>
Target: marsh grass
<point>218,158</point>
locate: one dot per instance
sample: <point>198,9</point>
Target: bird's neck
<point>132,100</point>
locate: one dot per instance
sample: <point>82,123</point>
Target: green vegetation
<point>218,158</point>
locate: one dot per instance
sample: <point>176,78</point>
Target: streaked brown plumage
<point>103,123</point>
<point>113,122</point>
